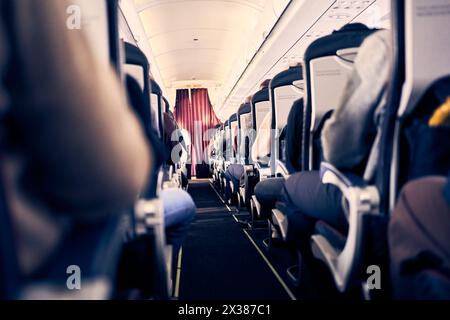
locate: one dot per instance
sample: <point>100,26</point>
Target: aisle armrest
<point>281,222</point>
<point>150,220</point>
<point>281,169</point>
<point>362,200</point>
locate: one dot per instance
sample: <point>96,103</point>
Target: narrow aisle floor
<point>219,261</point>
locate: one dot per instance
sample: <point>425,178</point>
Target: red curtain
<point>197,117</point>
<point>183,111</point>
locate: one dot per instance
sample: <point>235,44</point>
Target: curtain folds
<point>194,113</point>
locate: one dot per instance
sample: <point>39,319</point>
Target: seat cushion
<point>267,192</point>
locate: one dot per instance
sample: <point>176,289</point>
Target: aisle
<point>219,261</point>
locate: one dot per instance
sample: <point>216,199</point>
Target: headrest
<point>134,55</point>
<point>167,105</point>
<point>233,118</point>
<point>287,77</point>
<point>170,114</point>
<point>261,95</point>
<point>352,27</point>
<point>155,88</point>
<point>350,36</point>
<point>245,108</point>
<point>137,101</point>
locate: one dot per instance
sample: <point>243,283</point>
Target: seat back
<point>213,146</point>
<point>79,249</point>
<point>166,105</point>
<point>232,138</point>
<point>157,105</point>
<point>102,35</point>
<point>222,142</point>
<point>283,93</point>
<point>148,214</point>
<point>365,90</point>
<point>226,140</point>
<point>409,146</point>
<point>217,135</point>
<point>293,141</point>
<point>328,63</point>
<point>137,67</point>
<point>245,136</point>
<point>261,107</point>
<point>420,84</point>
<point>220,149</point>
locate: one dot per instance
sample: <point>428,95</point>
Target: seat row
<point>332,142</point>
<point>121,254</point>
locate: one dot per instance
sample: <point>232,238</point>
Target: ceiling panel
<point>288,46</point>
<point>198,39</point>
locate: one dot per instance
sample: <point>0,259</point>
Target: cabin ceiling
<point>197,40</point>
<point>239,42</point>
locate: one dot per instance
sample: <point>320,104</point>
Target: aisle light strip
<point>220,197</point>
<point>178,277</point>
<point>283,284</point>
<point>280,280</point>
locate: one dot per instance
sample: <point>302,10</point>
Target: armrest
<point>155,183</point>
<point>256,206</point>
<point>264,172</point>
<point>149,215</point>
<point>248,168</point>
<point>219,164</point>
<point>167,174</point>
<point>281,169</point>
<point>160,180</point>
<point>173,184</point>
<point>332,175</point>
<point>280,220</point>
<point>363,200</point>
<point>171,172</point>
